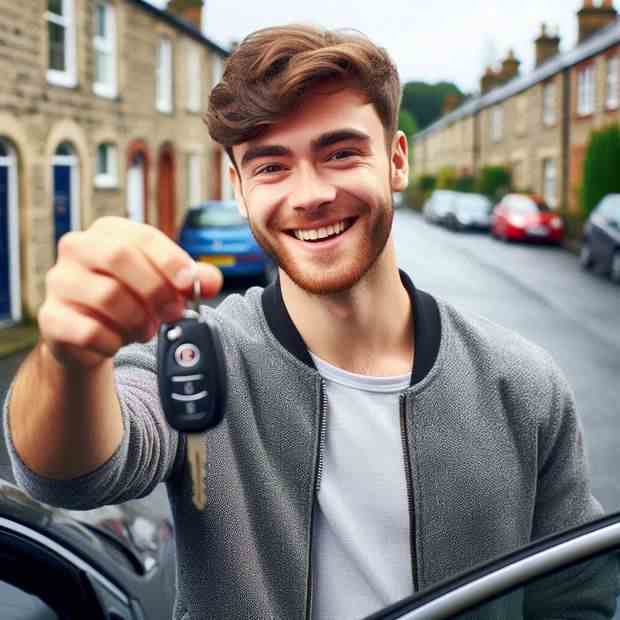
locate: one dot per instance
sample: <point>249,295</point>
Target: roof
<point>182,25</point>
<point>597,43</point>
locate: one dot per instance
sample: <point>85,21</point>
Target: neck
<point>366,329</point>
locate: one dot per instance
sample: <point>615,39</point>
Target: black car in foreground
<point>601,238</point>
<point>111,563</point>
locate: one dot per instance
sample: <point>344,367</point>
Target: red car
<point>520,217</point>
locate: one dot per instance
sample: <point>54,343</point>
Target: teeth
<point>319,233</point>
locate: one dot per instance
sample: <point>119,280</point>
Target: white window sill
<point>61,78</point>
<point>105,90</point>
<point>164,109</point>
<point>106,182</point>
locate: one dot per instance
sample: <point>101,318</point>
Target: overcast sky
<point>434,40</point>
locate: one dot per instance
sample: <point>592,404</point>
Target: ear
<point>235,181</point>
<point>399,162</point>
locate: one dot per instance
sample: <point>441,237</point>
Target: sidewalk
<point>17,338</point>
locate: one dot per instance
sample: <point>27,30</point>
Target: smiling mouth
<point>315,235</point>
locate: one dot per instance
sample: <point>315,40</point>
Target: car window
<point>475,204</point>
<point>214,217</point>
<point>525,205</point>
<point>18,604</point>
<point>574,574</point>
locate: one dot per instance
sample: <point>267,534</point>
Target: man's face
<point>317,189</point>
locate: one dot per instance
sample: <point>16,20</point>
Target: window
<point>549,104</point>
<point>497,123</point>
<point>217,68</point>
<point>61,64</point>
<point>194,179</point>
<point>105,50</point>
<point>585,91</point>
<point>164,76</point>
<point>550,182</point>
<point>193,79</point>
<point>613,82</point>
<point>105,166</point>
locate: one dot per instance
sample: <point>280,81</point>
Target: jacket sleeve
<point>564,500</point>
<point>146,456</point>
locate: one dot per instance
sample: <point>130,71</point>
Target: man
<point>375,440</point>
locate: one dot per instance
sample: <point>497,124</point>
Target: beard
<point>332,277</point>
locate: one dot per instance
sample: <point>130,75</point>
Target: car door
<point>572,575</point>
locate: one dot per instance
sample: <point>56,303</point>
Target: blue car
<point>215,232</point>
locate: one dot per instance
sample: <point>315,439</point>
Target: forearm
<point>64,421</point>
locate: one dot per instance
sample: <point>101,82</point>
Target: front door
<point>65,186</point>
<point>165,193</point>
<point>10,306</point>
<point>5,258</point>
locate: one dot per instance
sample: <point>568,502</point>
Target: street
<point>538,291</point>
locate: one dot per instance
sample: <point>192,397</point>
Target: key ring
<point>193,310</point>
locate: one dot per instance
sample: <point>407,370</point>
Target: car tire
<point>614,271</point>
<point>585,256</point>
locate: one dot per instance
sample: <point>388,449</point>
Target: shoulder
<point>499,352</point>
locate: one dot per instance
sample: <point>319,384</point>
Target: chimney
<point>488,81</point>
<point>450,102</point>
<point>547,46</point>
<point>187,10</point>
<point>592,18</point>
<point>510,67</point>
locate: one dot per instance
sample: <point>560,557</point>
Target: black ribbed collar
<point>427,326</point>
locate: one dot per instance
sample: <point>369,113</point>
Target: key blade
<point>197,460</point>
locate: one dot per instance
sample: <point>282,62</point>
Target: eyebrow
<point>323,141</point>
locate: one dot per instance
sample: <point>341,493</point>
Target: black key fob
<point>191,377</point>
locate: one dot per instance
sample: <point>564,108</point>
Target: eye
<point>269,169</point>
<point>342,154</point>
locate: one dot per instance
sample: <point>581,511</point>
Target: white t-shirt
<point>361,550</point>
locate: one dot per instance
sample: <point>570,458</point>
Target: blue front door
<point>62,201</point>
<point>5,267</point>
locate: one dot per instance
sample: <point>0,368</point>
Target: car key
<point>191,385</point>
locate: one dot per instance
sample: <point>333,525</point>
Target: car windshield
<point>214,217</point>
<point>524,205</point>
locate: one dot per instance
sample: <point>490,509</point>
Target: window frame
<point>497,123</point>
<point>106,46</point>
<point>108,179</point>
<point>164,76</point>
<point>68,77</point>
<point>586,91</point>
<point>612,82</point>
<point>549,104</point>
<point>193,77</point>
<point>550,163</point>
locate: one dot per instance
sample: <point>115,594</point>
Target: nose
<point>310,190</point>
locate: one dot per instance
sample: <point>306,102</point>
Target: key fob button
<point>187,355</point>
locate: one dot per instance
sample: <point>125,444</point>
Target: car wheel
<point>585,256</point>
<point>615,267</point>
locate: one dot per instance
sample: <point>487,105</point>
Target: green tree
<point>407,124</point>
<point>494,182</point>
<point>465,183</point>
<point>424,102</point>
<point>446,178</point>
<point>601,166</point>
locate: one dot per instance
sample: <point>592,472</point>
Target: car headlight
<point>556,223</point>
<point>463,218</point>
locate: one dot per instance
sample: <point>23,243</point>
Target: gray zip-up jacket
<point>492,452</point>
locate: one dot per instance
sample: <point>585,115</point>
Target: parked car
<point>215,232</point>
<point>526,217</point>
<point>601,237</point>
<point>469,212</point>
<point>438,205</point>
<point>113,563</point>
<point>573,574</point>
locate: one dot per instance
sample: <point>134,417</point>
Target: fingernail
<point>185,277</point>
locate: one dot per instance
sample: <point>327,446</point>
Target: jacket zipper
<point>409,478</point>
<point>318,473</point>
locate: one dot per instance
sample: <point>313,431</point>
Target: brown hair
<point>268,73</point>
